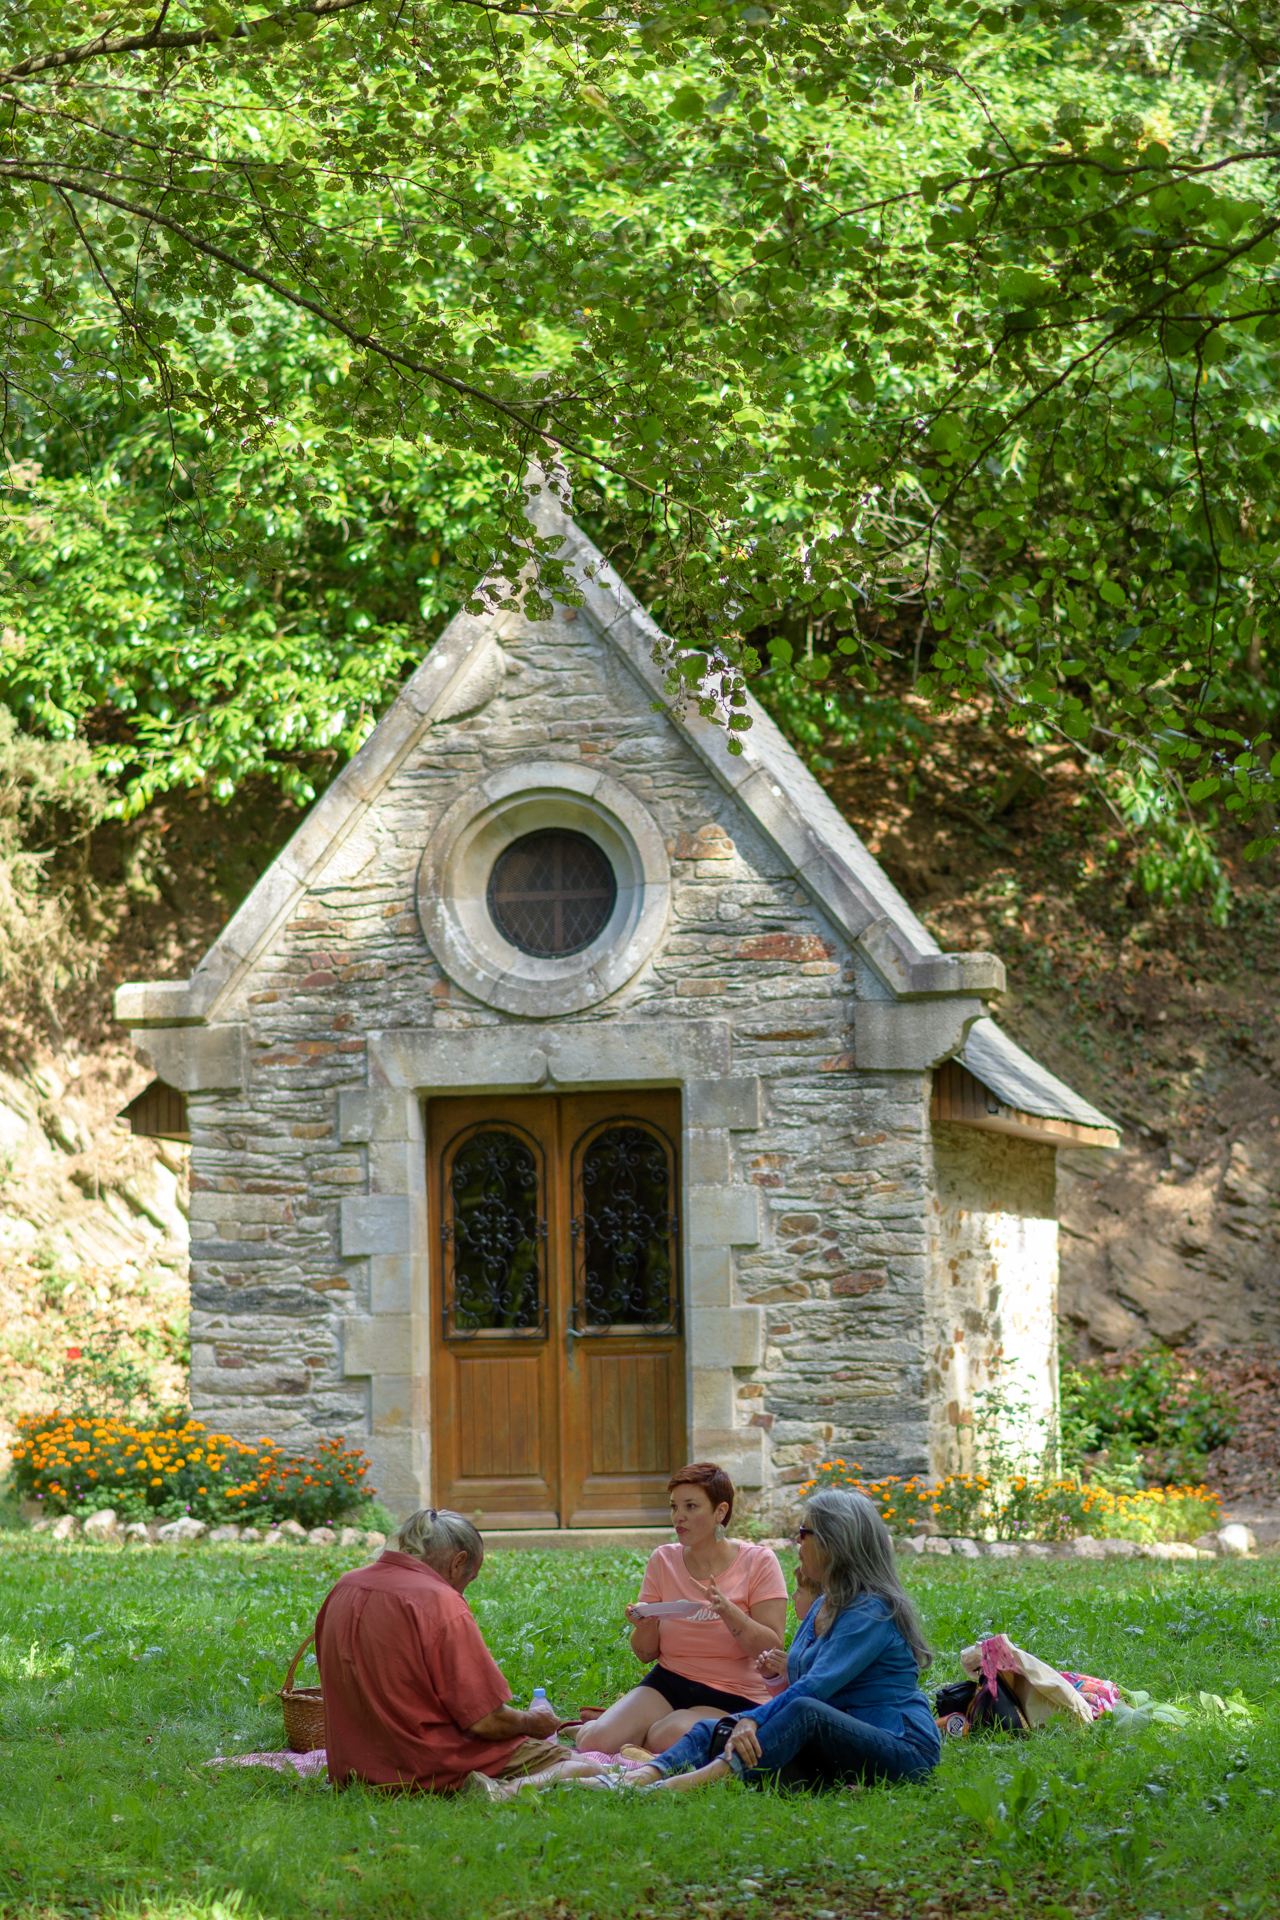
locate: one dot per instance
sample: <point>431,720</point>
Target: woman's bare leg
<point>562,1770</point>
<point>664,1733</point>
<point>625,1724</point>
<point>700,1776</point>
<point>683,1782</point>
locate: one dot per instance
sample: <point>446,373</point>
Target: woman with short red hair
<point>724,1603</point>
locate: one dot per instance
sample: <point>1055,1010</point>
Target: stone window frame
<point>391,1345</point>
<point>453,882</point>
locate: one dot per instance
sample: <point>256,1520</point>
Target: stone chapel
<point>572,1098</point>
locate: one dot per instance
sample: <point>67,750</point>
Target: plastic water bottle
<point>539,1698</point>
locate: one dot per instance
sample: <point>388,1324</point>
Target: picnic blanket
<point>308,1765</point>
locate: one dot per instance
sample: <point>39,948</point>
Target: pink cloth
<point>307,1764</point>
<point>609,1759</point>
<point>997,1657</point>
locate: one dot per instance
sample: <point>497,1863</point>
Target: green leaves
<point>688,104</point>
<point>990,364</point>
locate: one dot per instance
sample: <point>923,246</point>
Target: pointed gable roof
<point>462,671</point>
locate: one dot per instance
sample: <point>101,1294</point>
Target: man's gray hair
<point>436,1535</point>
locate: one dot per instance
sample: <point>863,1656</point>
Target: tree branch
<point>422,368</point>
<point>156,40</point>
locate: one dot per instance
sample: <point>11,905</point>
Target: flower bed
<point>73,1463</point>
<point>1029,1508</point>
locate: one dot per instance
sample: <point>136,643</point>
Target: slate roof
<point>1000,1063</point>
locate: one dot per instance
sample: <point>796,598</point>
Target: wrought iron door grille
<point>493,1235</point>
<point>626,1271</point>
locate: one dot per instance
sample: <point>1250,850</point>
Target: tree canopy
<point>958,320</point>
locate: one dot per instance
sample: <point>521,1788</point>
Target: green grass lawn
<point>122,1673</point>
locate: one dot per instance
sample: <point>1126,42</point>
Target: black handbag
<point>973,1702</point>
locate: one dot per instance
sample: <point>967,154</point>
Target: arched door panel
<point>495,1431</point>
<point>558,1390</point>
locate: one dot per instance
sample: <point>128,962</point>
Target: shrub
<point>1029,1507</point>
<point>79,1464</point>
<point>898,1502</point>
<point>1155,1402</point>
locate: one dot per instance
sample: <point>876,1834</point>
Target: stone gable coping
<point>462,670</point>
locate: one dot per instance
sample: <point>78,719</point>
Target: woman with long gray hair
<point>852,1708</point>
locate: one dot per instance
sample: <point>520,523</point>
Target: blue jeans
<point>808,1743</point>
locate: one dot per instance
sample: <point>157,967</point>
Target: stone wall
<point>991,1309</point>
<point>833,1276</point>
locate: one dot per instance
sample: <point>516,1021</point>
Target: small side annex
<point>572,1097</point>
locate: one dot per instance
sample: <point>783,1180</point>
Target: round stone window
<point>552,893</point>
<point>544,889</point>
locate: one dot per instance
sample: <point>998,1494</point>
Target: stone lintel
<point>595,1053</point>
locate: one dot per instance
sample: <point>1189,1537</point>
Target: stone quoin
<point>572,1097</point>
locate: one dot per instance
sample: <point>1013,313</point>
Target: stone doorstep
<point>540,1538</point>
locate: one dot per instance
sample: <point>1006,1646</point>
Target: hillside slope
<point>1167,1021</point>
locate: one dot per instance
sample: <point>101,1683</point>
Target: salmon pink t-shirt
<point>705,1650</point>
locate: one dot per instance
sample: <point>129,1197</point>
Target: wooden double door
<point>558,1382</point>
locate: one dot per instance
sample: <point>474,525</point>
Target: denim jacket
<point>862,1665</point>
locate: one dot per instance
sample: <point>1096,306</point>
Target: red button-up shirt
<point>405,1672</point>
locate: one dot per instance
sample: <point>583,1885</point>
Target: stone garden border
<point>104,1529</point>
<point>1232,1542</point>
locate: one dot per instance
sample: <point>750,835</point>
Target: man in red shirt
<point>412,1696</point>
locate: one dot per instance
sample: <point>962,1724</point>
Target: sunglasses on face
<point>803,1534</point>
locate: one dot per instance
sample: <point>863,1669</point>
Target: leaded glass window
<point>494,1236</point>
<point>624,1230</point>
<point>551,893</point>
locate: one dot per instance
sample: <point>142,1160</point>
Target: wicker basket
<point>303,1708</point>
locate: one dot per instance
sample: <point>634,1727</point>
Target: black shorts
<point>681,1694</point>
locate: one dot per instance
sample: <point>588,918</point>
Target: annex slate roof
<point>464,668</point>
<point>992,1057</point>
